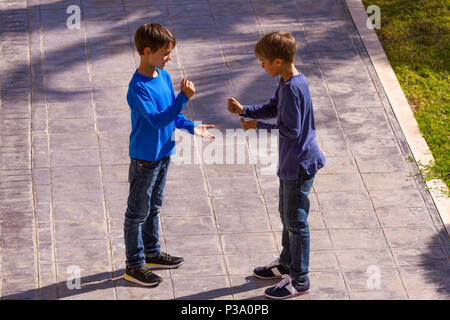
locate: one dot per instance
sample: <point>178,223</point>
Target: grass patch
<point>415,34</point>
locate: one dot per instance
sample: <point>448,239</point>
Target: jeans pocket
<point>131,171</point>
<point>306,185</point>
<point>147,164</point>
<point>305,180</point>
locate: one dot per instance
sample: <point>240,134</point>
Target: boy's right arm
<point>146,106</point>
<point>261,111</point>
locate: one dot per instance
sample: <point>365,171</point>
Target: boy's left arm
<point>182,123</point>
<point>200,130</point>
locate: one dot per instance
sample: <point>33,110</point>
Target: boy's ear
<point>278,62</point>
<point>147,51</point>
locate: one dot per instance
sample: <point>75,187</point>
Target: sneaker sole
<point>287,297</point>
<point>146,284</point>
<point>268,278</point>
<point>163,266</point>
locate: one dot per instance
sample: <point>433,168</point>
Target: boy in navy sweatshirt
<point>299,160</point>
<point>155,113</point>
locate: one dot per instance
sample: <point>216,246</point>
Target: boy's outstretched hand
<point>187,87</point>
<point>201,131</point>
<point>234,106</point>
<point>251,124</point>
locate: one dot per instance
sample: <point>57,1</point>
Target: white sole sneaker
<point>266,278</point>
<point>131,279</point>
<point>286,297</point>
<point>163,266</point>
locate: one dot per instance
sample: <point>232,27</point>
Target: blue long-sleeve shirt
<point>292,106</point>
<point>155,112</point>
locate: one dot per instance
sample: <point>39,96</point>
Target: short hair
<point>277,44</point>
<point>154,36</point>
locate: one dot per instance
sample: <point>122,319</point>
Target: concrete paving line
<point>400,106</point>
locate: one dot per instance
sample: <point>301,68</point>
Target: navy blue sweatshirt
<point>292,106</point>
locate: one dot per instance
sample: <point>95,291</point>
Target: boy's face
<point>160,57</point>
<point>272,67</point>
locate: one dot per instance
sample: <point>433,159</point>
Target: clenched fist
<point>187,87</point>
<point>234,106</point>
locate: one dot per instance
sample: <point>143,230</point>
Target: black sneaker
<point>287,288</point>
<point>164,260</point>
<point>271,271</point>
<point>142,275</point>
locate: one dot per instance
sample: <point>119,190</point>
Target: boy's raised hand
<point>187,87</point>
<point>234,106</point>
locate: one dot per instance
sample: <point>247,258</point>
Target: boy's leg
<point>278,267</point>
<point>296,210</point>
<point>150,229</point>
<point>285,256</point>
<point>142,178</point>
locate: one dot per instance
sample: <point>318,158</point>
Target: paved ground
<point>64,158</point>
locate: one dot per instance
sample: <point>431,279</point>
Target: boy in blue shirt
<point>299,160</point>
<point>155,113</point>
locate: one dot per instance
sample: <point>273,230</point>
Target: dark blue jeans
<point>294,209</point>
<point>141,227</point>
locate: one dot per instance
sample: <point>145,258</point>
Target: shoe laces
<point>165,256</point>
<point>274,263</point>
<point>146,271</point>
<point>286,280</point>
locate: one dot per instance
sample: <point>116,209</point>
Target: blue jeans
<point>141,227</point>
<point>294,209</point>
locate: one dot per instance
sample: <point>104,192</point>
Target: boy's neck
<point>288,71</point>
<point>147,69</point>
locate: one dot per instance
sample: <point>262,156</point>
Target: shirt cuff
<point>244,114</point>
<point>183,98</point>
<point>191,127</point>
<point>265,125</point>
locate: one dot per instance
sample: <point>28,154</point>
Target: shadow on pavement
<point>104,281</point>
<point>103,44</point>
<point>251,284</point>
<point>434,263</point>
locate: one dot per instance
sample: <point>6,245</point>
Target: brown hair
<point>277,44</point>
<point>154,36</point>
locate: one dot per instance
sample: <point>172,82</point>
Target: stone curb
<point>400,106</point>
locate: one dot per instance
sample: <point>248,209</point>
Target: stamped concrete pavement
<point>375,233</point>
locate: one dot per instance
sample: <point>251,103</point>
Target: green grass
<point>415,34</point>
